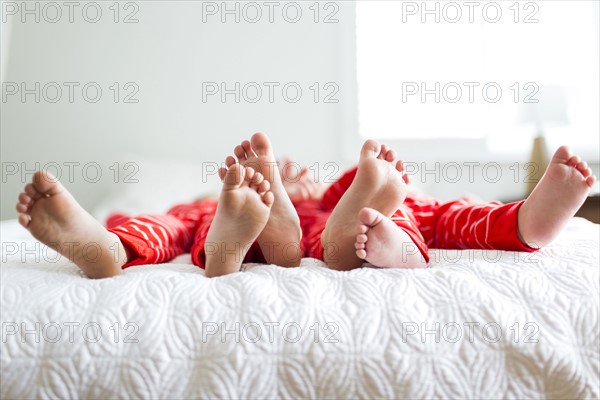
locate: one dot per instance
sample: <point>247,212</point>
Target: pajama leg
<point>308,213</point>
<point>452,225</point>
<point>153,239</point>
<point>464,225</point>
<point>334,193</point>
<point>200,247</point>
<point>312,228</point>
<point>314,215</point>
<point>403,218</point>
<point>406,221</point>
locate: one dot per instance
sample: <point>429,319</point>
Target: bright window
<point>422,78</point>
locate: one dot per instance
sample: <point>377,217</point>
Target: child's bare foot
<point>381,243</point>
<point>555,200</point>
<point>379,185</point>
<point>55,218</point>
<point>297,183</point>
<point>244,206</point>
<point>280,240</point>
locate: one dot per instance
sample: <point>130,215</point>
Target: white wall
<point>169,53</point>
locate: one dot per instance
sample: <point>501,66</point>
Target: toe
<point>370,149</point>
<point>46,183</point>
<point>250,174</point>
<point>400,166</point>
<point>383,153</point>
<point>21,208</point>
<point>573,161</point>
<point>361,229</point>
<point>229,161</point>
<point>260,144</point>
<point>359,246</point>
<point>583,168</point>
<point>24,219</point>
<point>390,155</point>
<point>222,172</point>
<point>369,216</point>
<point>234,177</point>
<point>362,254</point>
<point>257,179</point>
<point>292,171</point>
<point>268,198</point>
<point>24,199</point>
<point>562,154</point>
<point>31,191</point>
<point>590,180</point>
<point>263,187</point>
<point>361,238</point>
<point>240,153</point>
<point>248,149</point>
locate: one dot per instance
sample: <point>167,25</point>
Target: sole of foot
<point>280,240</point>
<point>242,214</point>
<point>555,199</point>
<point>53,216</point>
<point>381,243</point>
<point>380,185</point>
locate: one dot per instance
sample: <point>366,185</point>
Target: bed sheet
<point>476,324</point>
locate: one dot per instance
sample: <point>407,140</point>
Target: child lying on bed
<point>364,216</point>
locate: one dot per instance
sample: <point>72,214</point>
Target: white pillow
<point>150,186</point>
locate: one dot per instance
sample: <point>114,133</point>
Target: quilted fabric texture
<point>475,324</point>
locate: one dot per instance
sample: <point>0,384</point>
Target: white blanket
<point>475,324</point>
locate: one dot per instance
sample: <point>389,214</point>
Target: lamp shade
<point>550,109</point>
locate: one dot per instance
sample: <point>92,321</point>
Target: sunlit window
<point>472,69</point>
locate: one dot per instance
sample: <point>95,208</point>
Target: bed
<point>474,324</point>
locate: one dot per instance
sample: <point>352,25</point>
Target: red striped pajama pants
<point>460,224</point>
<point>155,239</point>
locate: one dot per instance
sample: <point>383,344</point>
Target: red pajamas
<point>458,224</point>
<point>154,239</point>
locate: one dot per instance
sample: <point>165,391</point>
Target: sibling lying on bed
<point>366,215</point>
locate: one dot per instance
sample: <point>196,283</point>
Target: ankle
<point>222,263</point>
<point>121,253</point>
<point>214,268</point>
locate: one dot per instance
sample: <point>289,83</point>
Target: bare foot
<point>55,218</point>
<point>297,182</point>
<point>242,213</point>
<point>555,200</point>
<point>381,243</point>
<point>379,185</point>
<point>280,240</point>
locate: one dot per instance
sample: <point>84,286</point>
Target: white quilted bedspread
<point>474,324</point>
